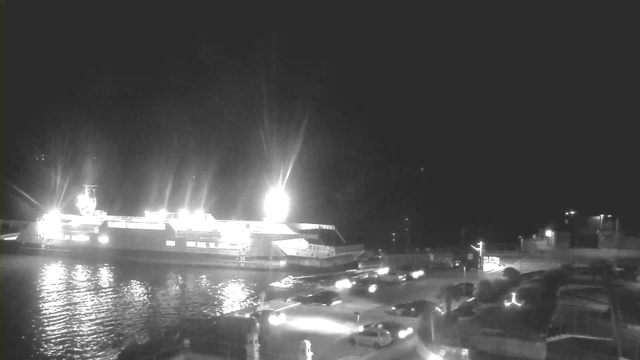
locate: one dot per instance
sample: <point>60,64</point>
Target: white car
<point>376,337</point>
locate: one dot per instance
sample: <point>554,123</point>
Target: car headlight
<point>417,273</point>
<point>373,288</point>
<point>383,271</point>
<point>409,330</point>
<point>360,328</point>
<point>393,308</point>
<point>277,319</point>
<point>402,334</point>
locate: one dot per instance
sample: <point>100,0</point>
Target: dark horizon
<point>473,127</point>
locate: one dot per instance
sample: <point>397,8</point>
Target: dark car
<point>367,285</point>
<point>397,330</point>
<point>324,298</point>
<point>416,308</point>
<point>412,273</point>
<point>268,317</point>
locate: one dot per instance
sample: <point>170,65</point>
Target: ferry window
<point>191,244</point>
<point>202,244</point>
<point>212,244</point>
<point>171,243</point>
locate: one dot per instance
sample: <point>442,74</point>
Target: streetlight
<point>570,215</point>
<point>479,250</point>
<point>393,239</point>
<point>408,229</point>
<point>357,314</point>
<point>276,205</point>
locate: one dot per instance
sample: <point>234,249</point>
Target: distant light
<point>608,216</point>
<point>54,212</point>
<point>383,271</point>
<point>360,328</point>
<point>276,204</point>
<point>343,284</point>
<point>199,212</point>
<point>548,233</point>
<point>183,213</point>
<point>163,213</point>
<point>373,288</point>
<point>103,239</point>
<point>416,274</point>
<point>277,319</point>
<point>402,334</point>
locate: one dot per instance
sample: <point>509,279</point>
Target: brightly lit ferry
<point>195,238</point>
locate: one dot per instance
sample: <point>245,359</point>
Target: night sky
<point>466,120</point>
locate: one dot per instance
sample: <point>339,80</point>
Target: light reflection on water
<point>92,311</point>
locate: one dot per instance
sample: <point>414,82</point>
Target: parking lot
<point>328,328</point>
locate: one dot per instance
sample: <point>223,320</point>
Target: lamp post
<point>570,215</point>
<point>357,314</point>
<point>408,229</point>
<point>393,240</point>
<point>479,249</point>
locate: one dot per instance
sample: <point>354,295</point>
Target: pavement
<point>328,328</point>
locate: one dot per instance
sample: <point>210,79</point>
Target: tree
<point>484,291</point>
<point>449,294</point>
<point>512,275</point>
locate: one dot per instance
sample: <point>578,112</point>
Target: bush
<point>484,291</point>
<point>501,287</point>
<point>512,275</point>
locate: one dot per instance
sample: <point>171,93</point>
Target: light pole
<point>479,250</point>
<point>357,314</point>
<point>408,229</point>
<point>570,215</point>
<point>393,239</point>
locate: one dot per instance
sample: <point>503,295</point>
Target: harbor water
<point>61,308</point>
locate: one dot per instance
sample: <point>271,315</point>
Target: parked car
<point>268,316</point>
<point>376,337</point>
<point>416,308</point>
<point>397,330</point>
<point>324,298</point>
<point>393,277</point>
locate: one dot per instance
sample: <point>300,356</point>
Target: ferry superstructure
<point>188,237</point>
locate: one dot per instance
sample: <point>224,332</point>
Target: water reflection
<point>92,311</point>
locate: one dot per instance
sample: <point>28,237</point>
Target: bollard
<point>253,346</point>
<point>304,352</point>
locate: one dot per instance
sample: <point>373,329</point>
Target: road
<point>328,328</point>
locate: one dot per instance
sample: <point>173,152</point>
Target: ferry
<point>194,238</point>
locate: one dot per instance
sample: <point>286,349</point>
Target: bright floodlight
<point>276,205</point>
<point>548,233</point>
